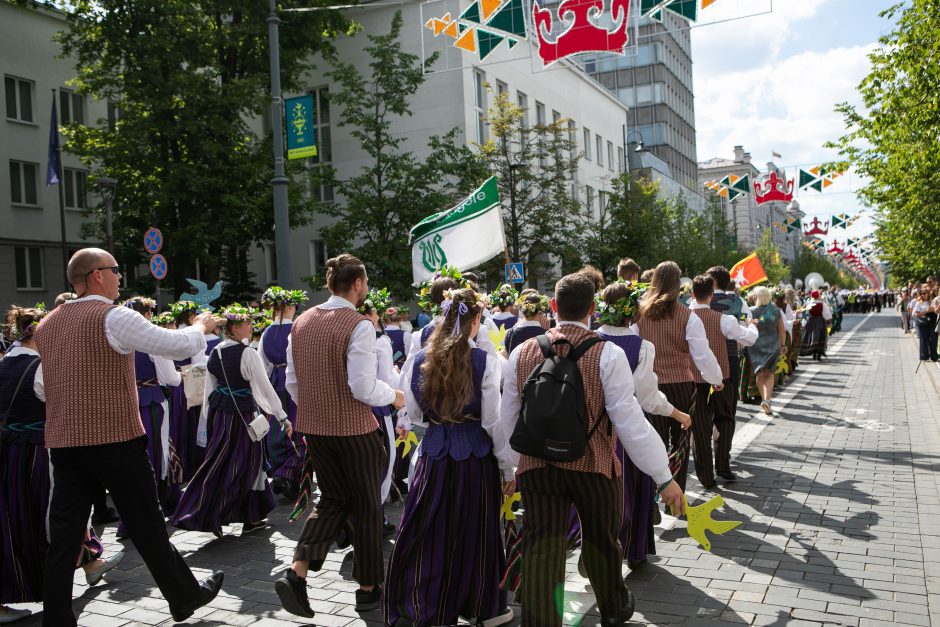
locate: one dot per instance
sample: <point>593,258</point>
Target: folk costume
<point>815,334</point>
<point>530,306</point>
<point>184,420</point>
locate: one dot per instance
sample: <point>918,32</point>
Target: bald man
<point>95,436</point>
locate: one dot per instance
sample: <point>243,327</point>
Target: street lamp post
<point>512,209</point>
<point>107,187</point>
<point>279,182</point>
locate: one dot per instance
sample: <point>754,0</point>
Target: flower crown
<point>778,292</point>
<point>424,290</point>
<point>259,322</point>
<point>504,296</point>
<point>236,313</point>
<point>162,318</point>
<point>397,312</point>
<point>181,307</point>
<point>376,300</point>
<point>278,296</point>
<point>624,309</point>
<point>527,308</point>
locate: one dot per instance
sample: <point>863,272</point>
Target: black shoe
<point>292,591</point>
<point>635,564</point>
<point>727,475</point>
<point>344,538</point>
<point>368,600</point>
<point>108,515</point>
<point>277,484</point>
<point>249,527</point>
<point>388,529</point>
<point>290,491</point>
<point>710,486</point>
<point>623,616</point>
<point>208,589</point>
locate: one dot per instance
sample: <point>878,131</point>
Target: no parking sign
<point>158,267</point>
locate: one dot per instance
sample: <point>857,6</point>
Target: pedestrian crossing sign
<point>515,272</point>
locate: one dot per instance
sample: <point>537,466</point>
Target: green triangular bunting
<point>472,14</point>
<point>686,8</point>
<point>511,19</point>
<point>806,178</point>
<point>743,185</point>
<point>512,43</point>
<point>462,27</point>
<point>817,185</point>
<point>838,222</point>
<point>486,41</point>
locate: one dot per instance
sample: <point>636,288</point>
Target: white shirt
<point>636,434</point>
<point>384,361</point>
<point>743,334</point>
<point>826,312</point>
<point>360,363</point>
<point>167,374</point>
<point>128,331</point>
<point>702,355</point>
<point>252,370</point>
<point>489,413</point>
<point>645,381</point>
<point>39,388</point>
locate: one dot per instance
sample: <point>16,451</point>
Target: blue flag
<point>52,173</point>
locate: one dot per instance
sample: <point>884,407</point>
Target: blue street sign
<point>158,267</point>
<point>301,138</point>
<point>153,240</point>
<point>515,272</point>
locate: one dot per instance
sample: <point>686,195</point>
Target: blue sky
<point>770,82</point>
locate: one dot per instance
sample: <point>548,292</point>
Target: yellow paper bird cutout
<point>498,337</point>
<point>783,365</point>
<point>506,510</point>
<point>409,440</point>
<point>699,519</point>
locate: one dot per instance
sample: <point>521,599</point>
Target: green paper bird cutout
<point>783,365</point>
<point>506,510</point>
<point>699,518</point>
<point>498,337</point>
<point>409,440</point>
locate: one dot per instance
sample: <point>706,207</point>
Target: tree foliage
<point>807,262</point>
<point>892,139</point>
<point>777,271</point>
<point>184,77</point>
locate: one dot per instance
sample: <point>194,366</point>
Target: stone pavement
<point>838,492</point>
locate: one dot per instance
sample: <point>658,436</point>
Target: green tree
<point>892,138</point>
<point>395,190</point>
<point>777,271</point>
<point>183,79</point>
<point>808,261</point>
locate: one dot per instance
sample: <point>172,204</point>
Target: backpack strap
<point>546,346</point>
<point>578,351</point>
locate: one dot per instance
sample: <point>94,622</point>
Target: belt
<point>147,383</point>
<point>280,365</point>
<point>234,393</point>
<point>24,427</point>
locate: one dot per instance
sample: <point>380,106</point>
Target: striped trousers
<point>349,472</point>
<point>717,411</point>
<point>548,494</point>
<point>682,396</point>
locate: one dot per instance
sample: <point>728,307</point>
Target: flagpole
<point>59,173</point>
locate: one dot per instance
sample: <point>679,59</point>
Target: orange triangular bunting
<point>827,183</point>
<point>451,31</point>
<point>815,170</point>
<point>489,7</point>
<point>707,3</point>
<point>467,41</point>
<point>734,179</point>
<point>446,17</point>
<point>430,24</point>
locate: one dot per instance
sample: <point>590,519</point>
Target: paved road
<point>838,493</point>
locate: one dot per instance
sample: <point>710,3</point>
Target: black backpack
<point>553,425</point>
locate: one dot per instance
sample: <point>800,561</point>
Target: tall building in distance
<point>656,84</point>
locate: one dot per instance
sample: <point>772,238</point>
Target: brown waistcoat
<point>325,404</point>
<point>601,454</point>
<point>91,389</point>
<point>673,363</point>
<point>718,343</point>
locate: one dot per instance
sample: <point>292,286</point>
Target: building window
<point>76,189</point>
<point>479,102</point>
<point>318,256</point>
<point>321,131</point>
<point>28,262</point>
<point>23,183</point>
<point>620,159</point>
<point>19,97</point>
<point>600,149</point>
<point>502,88</point>
<point>601,203</point>
<point>587,143</point>
<point>71,107</point>
<point>115,113</point>
<point>610,156</point>
<point>589,193</point>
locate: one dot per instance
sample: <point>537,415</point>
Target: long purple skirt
<point>184,426</point>
<point>24,501</point>
<point>221,492</point>
<point>285,460</point>
<point>449,556</point>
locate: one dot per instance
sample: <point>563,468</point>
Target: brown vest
<point>325,404</point>
<point>91,389</point>
<point>673,363</point>
<point>716,341</point>
<point>601,454</point>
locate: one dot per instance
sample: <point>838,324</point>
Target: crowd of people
<point>201,419</point>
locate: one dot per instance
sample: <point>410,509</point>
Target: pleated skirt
<point>184,427</point>
<point>284,457</point>
<point>815,337</point>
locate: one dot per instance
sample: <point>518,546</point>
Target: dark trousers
<point>548,494</point>
<point>734,368</point>
<point>682,397</point>
<point>349,473</point>
<point>723,405</point>
<point>79,475</point>
<point>927,334</point>
<point>715,412</point>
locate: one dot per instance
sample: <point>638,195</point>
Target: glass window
<point>587,143</point>
<point>600,149</point>
<point>501,87</point>
<point>71,107</point>
<point>589,194</point>
<point>318,256</point>
<point>75,186</point>
<point>479,94</point>
<point>610,155</point>
<point>28,262</point>
<point>23,183</point>
<point>324,138</point>
<point>620,159</point>
<point>19,98</point>
<point>539,113</point>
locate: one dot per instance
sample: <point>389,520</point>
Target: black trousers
<point>683,397</point>
<point>734,368</point>
<point>712,410</point>
<point>79,475</point>
<point>548,494</point>
<point>349,474</point>
<point>723,406</point>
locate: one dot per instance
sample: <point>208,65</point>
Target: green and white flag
<point>462,237</point>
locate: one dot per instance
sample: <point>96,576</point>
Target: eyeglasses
<point>114,269</point>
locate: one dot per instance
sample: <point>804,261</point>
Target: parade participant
<point>230,485</point>
<point>714,408</point>
<point>726,301</point>
<point>448,557</point>
<point>94,431</point>
<point>184,420</point>
<point>61,298</point>
<point>628,270</point>
<point>596,276</point>
<point>681,348</point>
<point>331,368</point>
<point>795,314</point>
<point>925,319</point>
<point>24,477</point>
<point>771,342</point>
<point>616,311</point>
<point>394,317</point>
<point>646,276</point>
<point>779,298</point>
<point>284,454</point>
<point>815,333</point>
<point>503,299</point>
<point>592,483</point>
<point>260,321</point>
<point>902,307</point>
<point>534,308</point>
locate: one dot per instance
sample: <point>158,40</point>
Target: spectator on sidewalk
<point>925,317</point>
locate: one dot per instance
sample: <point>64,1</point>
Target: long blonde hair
<point>662,297</point>
<point>447,375</point>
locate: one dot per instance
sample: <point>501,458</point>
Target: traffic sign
<point>515,272</point>
<point>153,240</point>
<point>158,267</point>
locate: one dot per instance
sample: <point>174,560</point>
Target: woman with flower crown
<point>230,486</point>
<point>448,557</point>
<point>503,299</point>
<point>284,454</point>
<point>534,308</point>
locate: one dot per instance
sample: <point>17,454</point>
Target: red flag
<point>748,272</point>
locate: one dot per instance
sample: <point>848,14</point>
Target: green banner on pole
<point>301,139</point>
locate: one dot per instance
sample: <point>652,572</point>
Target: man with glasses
<point>95,436</point>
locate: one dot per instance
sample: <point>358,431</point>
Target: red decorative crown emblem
<point>772,190</point>
<point>835,250</point>
<point>816,229</point>
<point>582,35</point>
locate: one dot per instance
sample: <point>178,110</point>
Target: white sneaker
<point>502,619</point>
<point>110,563</point>
<point>9,615</point>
